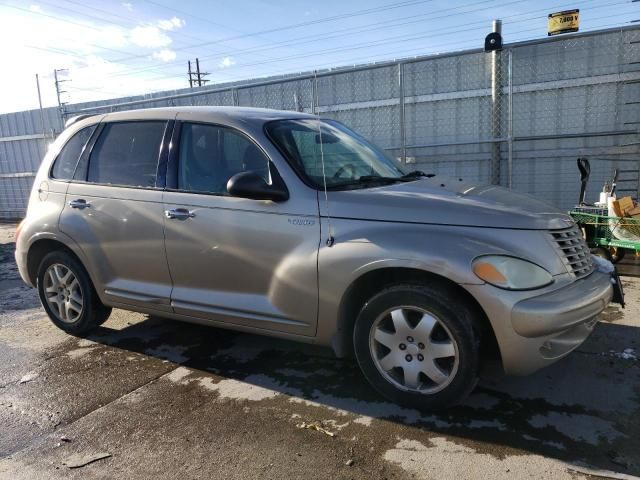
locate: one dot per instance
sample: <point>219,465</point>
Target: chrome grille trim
<point>573,250</point>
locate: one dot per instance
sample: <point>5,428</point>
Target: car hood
<point>446,201</point>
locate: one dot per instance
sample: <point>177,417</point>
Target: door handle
<point>179,213</point>
<point>80,203</point>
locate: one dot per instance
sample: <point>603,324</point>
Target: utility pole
<point>61,104</point>
<point>201,81</point>
<point>196,77</point>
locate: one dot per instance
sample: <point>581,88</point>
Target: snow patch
<point>178,374</point>
<point>173,353</point>
<point>626,354</point>
<point>249,389</point>
<point>79,352</point>
<point>29,377</point>
<point>446,460</point>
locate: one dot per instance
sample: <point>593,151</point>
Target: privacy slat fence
<point>522,124</point>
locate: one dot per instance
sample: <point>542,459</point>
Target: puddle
<point>584,428</point>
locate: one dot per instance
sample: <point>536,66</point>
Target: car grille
<point>574,251</point>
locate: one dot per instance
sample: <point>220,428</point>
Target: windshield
<point>350,161</point>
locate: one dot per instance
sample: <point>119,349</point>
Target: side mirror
<point>253,186</point>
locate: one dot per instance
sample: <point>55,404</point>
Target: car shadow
<point>582,409</point>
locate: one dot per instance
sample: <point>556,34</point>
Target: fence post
<point>314,92</point>
<point>403,134</point>
<point>496,69</point>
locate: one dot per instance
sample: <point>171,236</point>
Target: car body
<point>305,264</point>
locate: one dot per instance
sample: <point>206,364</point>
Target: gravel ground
<point>159,399</point>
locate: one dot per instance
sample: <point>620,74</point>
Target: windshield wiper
<point>364,181</point>
<point>377,178</point>
<point>417,174</point>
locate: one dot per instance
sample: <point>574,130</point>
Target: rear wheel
<point>603,253</point>
<point>617,254</point>
<point>416,346</point>
<point>68,296</point>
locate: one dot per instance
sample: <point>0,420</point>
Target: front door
<point>246,262</point>
<point>114,212</point>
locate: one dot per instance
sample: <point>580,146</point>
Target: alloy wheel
<point>414,350</point>
<point>63,293</point>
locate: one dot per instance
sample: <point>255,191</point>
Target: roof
<point>208,113</point>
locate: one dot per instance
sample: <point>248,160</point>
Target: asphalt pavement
<point>145,397</point>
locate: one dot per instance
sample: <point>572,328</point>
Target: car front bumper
<point>535,331</point>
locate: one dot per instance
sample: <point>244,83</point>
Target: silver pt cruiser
<point>285,224</point>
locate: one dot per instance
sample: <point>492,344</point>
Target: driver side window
<point>210,155</point>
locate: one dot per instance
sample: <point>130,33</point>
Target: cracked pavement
<point>167,399</point>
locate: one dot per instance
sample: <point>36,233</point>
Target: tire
<point>603,253</point>
<point>617,254</point>
<point>436,322</point>
<point>63,281</point>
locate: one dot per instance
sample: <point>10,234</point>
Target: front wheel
<point>416,346</point>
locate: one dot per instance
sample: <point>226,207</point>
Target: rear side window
<point>67,159</point>
<point>127,154</point>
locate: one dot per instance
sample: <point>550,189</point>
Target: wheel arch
<point>368,284</point>
<point>39,249</point>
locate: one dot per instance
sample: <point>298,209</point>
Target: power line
<point>129,56</point>
<point>352,47</point>
<point>198,18</point>
<point>430,35</point>
<point>460,47</point>
<point>298,25</point>
<point>126,19</point>
<point>394,39</point>
<point>167,64</point>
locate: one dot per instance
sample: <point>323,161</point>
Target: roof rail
<point>77,118</point>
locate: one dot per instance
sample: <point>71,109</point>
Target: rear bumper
<point>21,261</point>
<point>536,331</point>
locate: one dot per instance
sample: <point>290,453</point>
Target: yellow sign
<point>563,22</point>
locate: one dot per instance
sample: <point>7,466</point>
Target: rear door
<point>114,212</point>
<point>236,260</point>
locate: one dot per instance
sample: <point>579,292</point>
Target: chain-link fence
<point>519,117</point>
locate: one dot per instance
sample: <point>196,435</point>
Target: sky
<point>118,48</point>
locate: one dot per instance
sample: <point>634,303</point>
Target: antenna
<point>330,238</point>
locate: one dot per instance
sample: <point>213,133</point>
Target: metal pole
<point>510,126</point>
<point>314,93</point>
<point>403,133</point>
<point>495,108</point>
<point>198,71</point>
<point>40,104</point>
<point>190,75</point>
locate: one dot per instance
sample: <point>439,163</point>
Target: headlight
<point>510,272</point>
